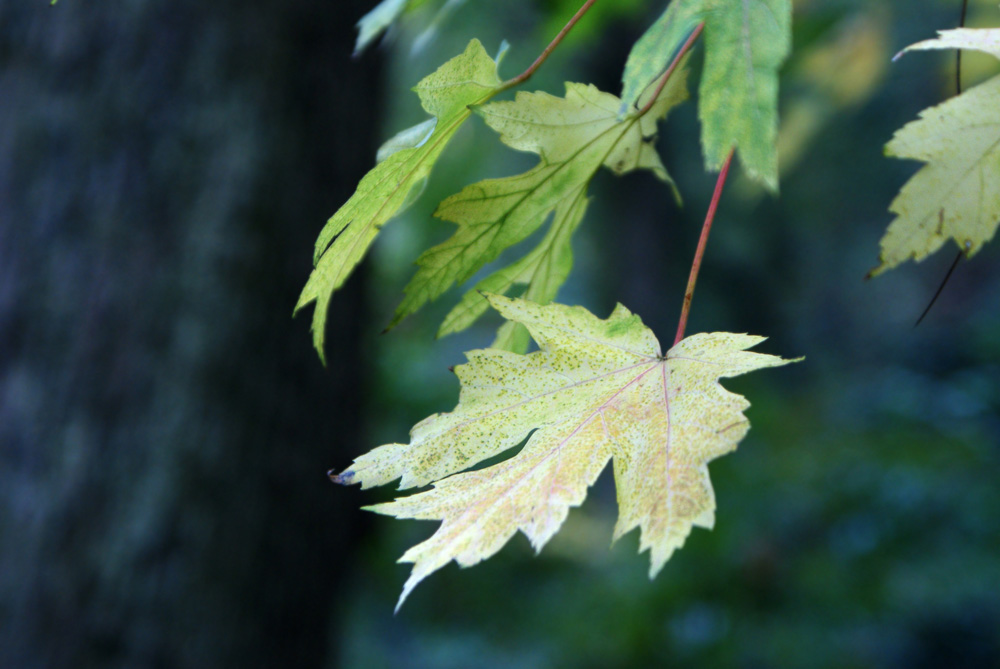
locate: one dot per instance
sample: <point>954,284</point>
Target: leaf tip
<point>344,478</point>
<point>501,52</point>
<point>878,269</point>
<point>400,314</point>
<point>494,298</point>
<point>657,563</point>
<point>408,587</point>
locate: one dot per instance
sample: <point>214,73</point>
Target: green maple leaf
<point>543,270</point>
<point>746,42</point>
<point>956,195</point>
<point>574,136</point>
<point>447,94</point>
<point>598,389</point>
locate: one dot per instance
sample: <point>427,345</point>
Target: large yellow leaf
<point>597,389</point>
<point>957,194</point>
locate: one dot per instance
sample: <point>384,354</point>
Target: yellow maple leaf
<point>956,195</point>
<point>597,390</point>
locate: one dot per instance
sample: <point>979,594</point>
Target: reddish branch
<point>700,252</point>
<point>524,76</point>
<point>673,66</point>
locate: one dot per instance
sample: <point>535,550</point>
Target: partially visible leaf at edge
<point>573,135</point>
<point>597,389</point>
<point>430,32</point>
<point>658,46</point>
<point>387,12</point>
<point>745,44</point>
<point>956,195</point>
<point>986,40</point>
<point>372,24</point>
<point>447,94</point>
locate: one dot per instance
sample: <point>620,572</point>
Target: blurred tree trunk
<point>165,426</point>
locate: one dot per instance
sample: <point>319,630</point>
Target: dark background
<point>165,426</point>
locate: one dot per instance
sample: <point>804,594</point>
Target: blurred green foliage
<point>859,522</point>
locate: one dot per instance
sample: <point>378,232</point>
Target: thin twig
<point>958,91</point>
<point>700,252</point>
<point>673,66</point>
<point>940,288</point>
<point>524,76</point>
<point>958,52</point>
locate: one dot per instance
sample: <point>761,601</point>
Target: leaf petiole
<point>958,53</point>
<point>958,91</point>
<point>700,252</point>
<point>524,76</point>
<point>673,66</point>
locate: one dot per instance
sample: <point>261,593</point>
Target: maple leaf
<point>598,389</point>
<point>745,44</point>
<point>447,94</point>
<point>956,195</point>
<point>574,136</point>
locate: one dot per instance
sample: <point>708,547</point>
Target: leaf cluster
<point>602,390</point>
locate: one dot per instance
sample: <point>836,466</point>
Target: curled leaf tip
<point>345,478</point>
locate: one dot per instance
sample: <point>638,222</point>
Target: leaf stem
<point>940,288</point>
<point>524,76</point>
<point>700,252</point>
<point>673,66</point>
<point>958,89</point>
<point>958,52</point>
